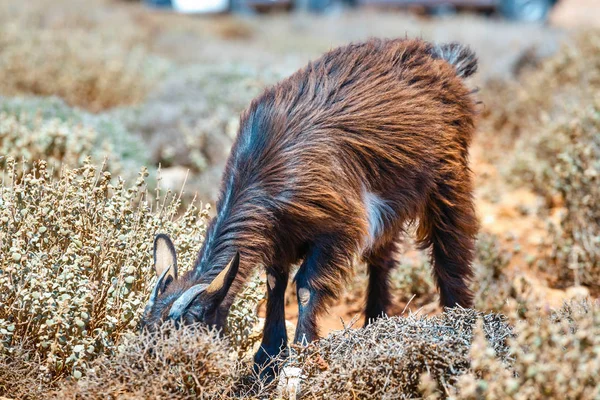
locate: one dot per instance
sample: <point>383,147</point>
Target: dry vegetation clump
<point>413,278</point>
<point>56,142</point>
<point>76,265</point>
<point>571,76</point>
<point>493,285</point>
<point>575,178</point>
<point>86,63</point>
<point>554,355</point>
<point>76,260</point>
<point>20,374</point>
<point>187,363</point>
<point>460,354</point>
<point>388,358</point>
<point>105,135</point>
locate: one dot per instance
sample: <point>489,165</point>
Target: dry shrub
<point>24,131</point>
<point>84,62</point>
<point>413,278</point>
<point>243,316</point>
<point>493,286</point>
<point>388,358</point>
<point>191,119</point>
<point>571,76</point>
<point>187,363</point>
<point>460,354</point>
<point>76,263</point>
<point>76,260</point>
<point>554,355</point>
<point>20,374</point>
<point>575,177</point>
<point>57,142</point>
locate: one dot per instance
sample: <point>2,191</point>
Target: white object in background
<point>200,6</point>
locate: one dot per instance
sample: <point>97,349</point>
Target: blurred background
<point>161,83</point>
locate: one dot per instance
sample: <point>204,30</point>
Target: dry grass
<point>189,363</point>
<point>88,64</point>
<point>388,358</point>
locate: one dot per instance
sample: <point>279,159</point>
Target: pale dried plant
<point>189,363</point>
<point>57,142</point>
<point>555,354</point>
<point>575,178</point>
<point>76,262</point>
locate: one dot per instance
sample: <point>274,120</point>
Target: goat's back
<point>389,117</point>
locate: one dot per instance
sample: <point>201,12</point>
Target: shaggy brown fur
<point>335,161</point>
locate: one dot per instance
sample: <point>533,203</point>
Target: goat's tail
<point>458,55</point>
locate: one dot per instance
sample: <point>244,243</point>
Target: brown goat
<point>332,162</point>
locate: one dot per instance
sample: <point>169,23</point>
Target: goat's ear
<point>219,287</point>
<point>165,257</point>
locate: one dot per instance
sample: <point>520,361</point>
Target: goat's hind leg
<point>449,226</point>
<point>379,263</point>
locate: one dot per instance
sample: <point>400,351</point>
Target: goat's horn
<point>159,282</point>
<point>184,301</point>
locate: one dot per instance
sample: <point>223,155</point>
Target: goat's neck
<point>249,231</point>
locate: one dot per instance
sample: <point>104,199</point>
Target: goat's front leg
<point>318,281</point>
<point>274,339</point>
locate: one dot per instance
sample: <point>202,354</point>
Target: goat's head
<point>186,300</point>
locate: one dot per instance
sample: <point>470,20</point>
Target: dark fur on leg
<point>318,281</point>
<point>275,339</point>
<point>379,298</point>
<point>449,226</point>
